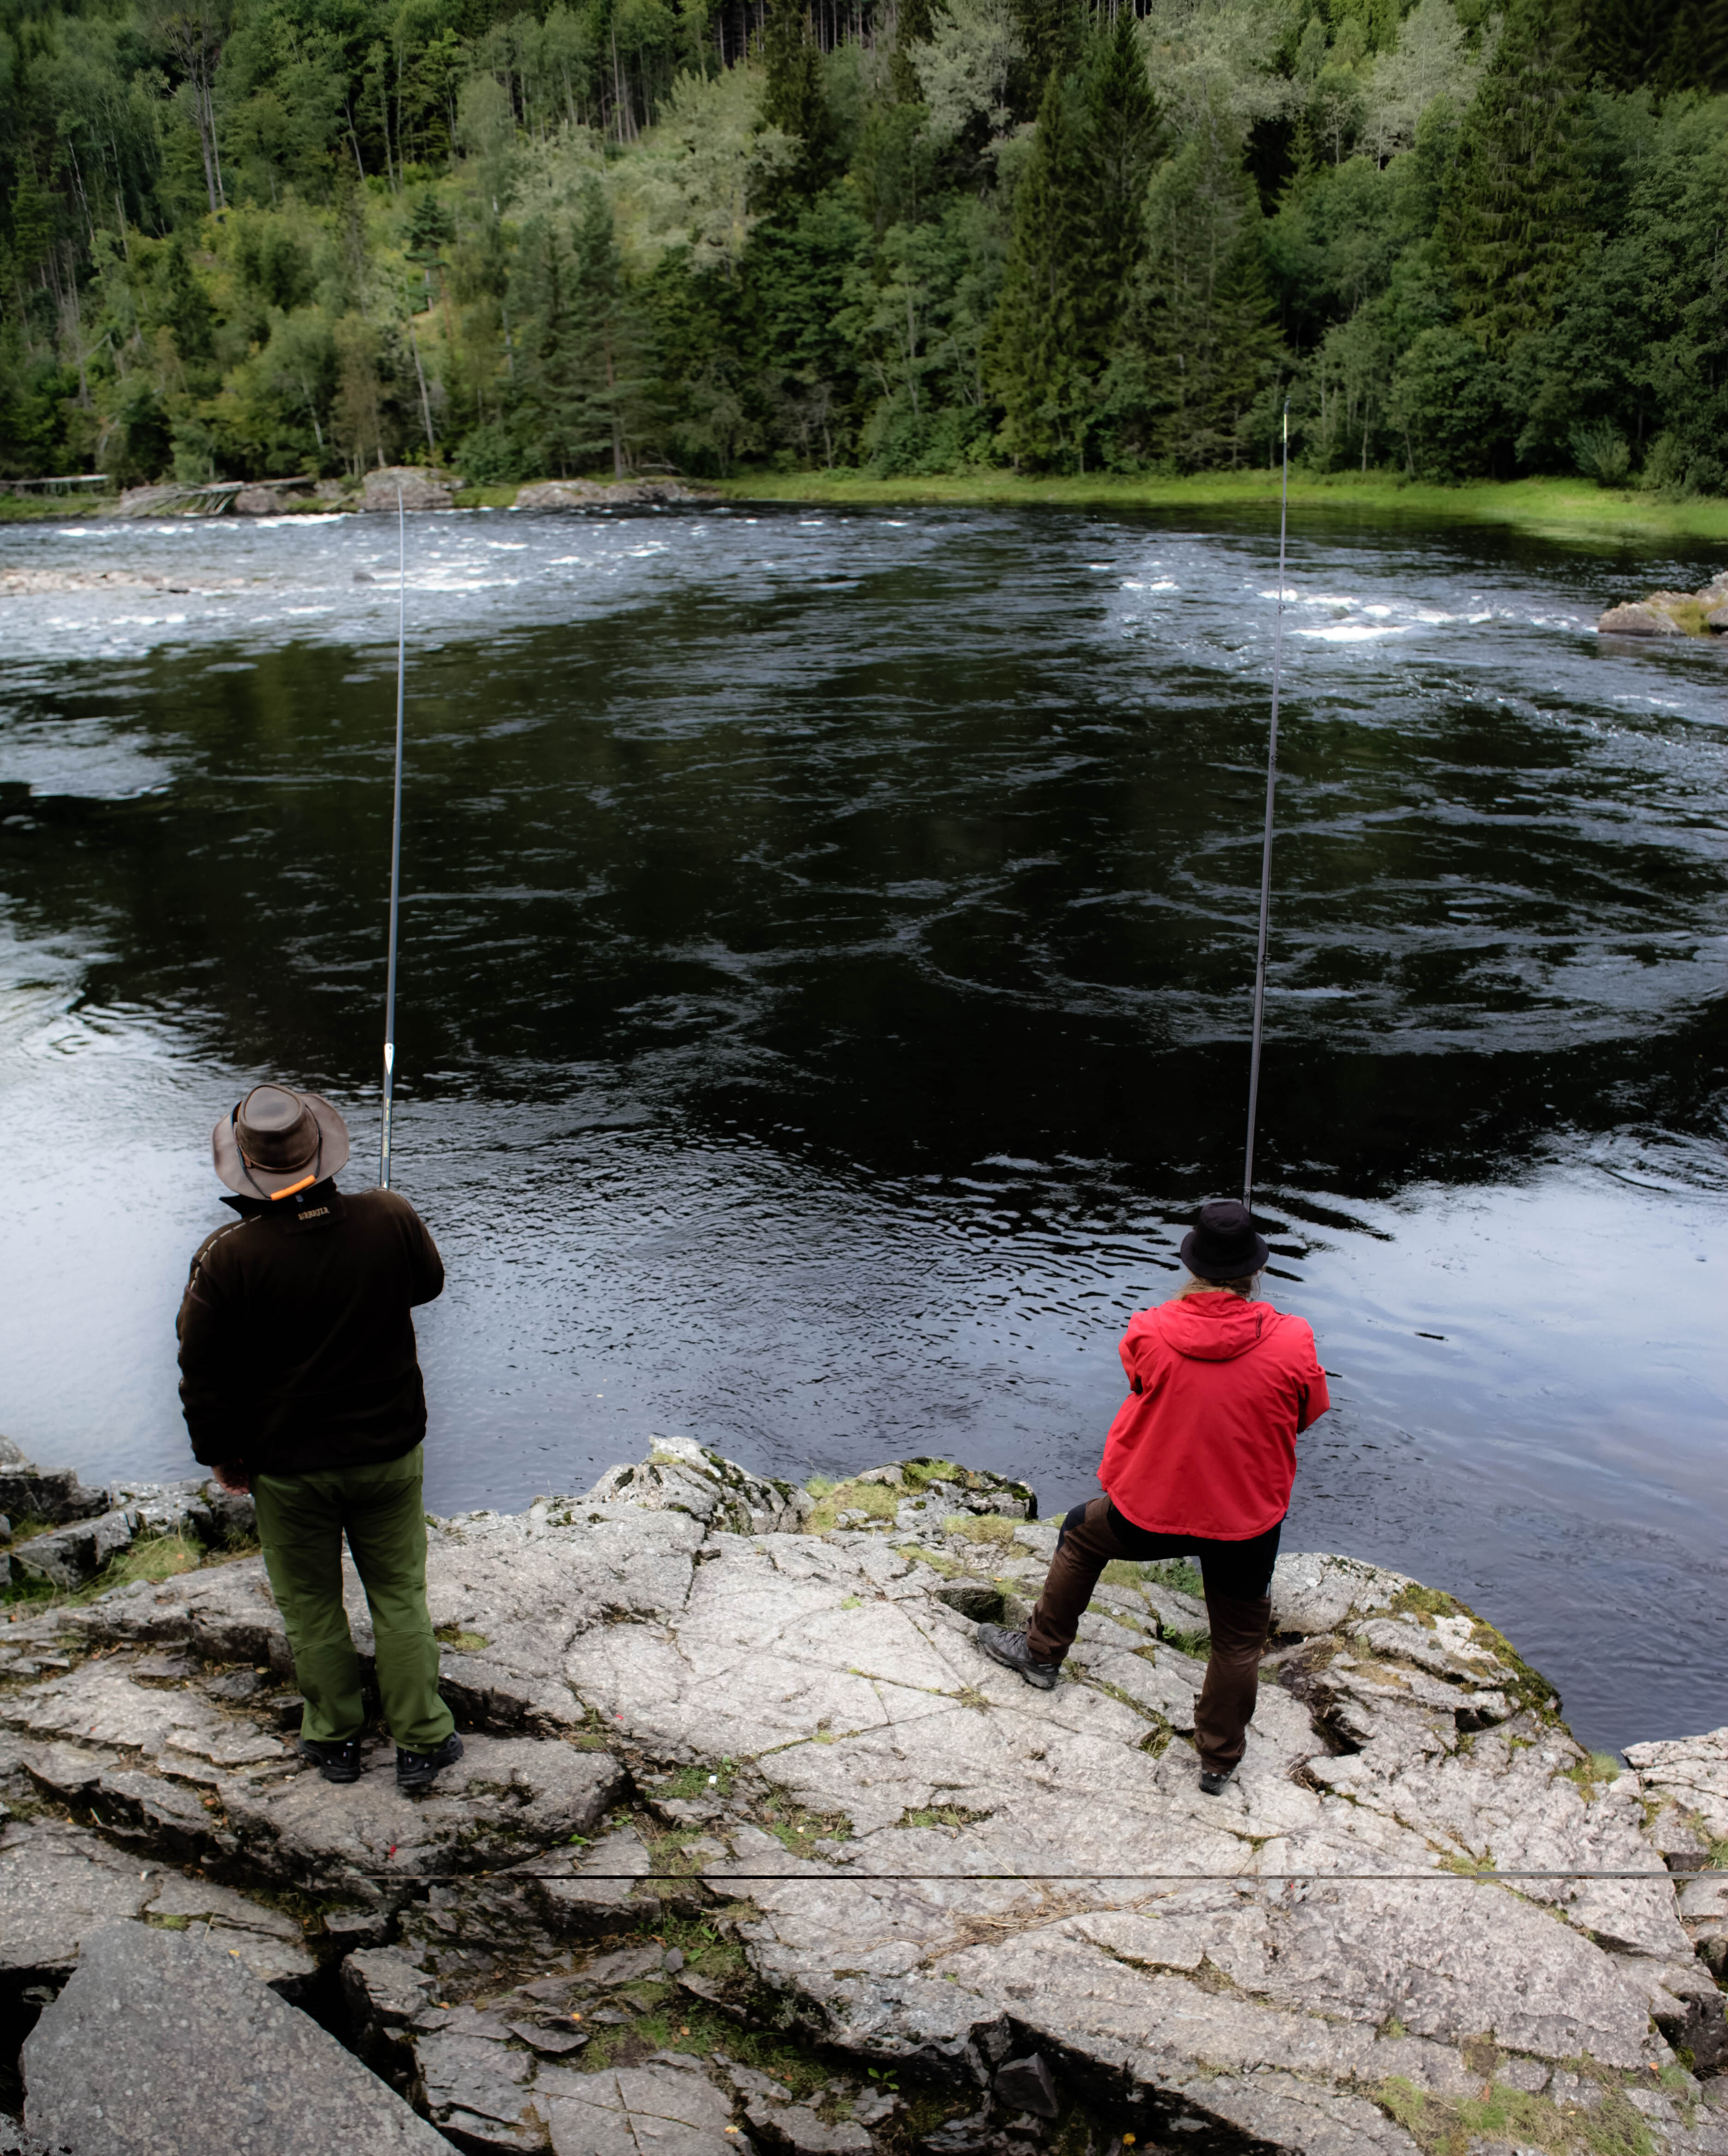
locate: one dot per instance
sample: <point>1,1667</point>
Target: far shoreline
<point>1575,511</point>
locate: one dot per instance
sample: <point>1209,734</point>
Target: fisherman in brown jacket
<point>300,1381</point>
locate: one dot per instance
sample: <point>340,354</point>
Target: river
<point>827,942</point>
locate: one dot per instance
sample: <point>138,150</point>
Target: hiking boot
<point>414,1770</point>
<point>1213,1784</point>
<point>336,1762</point>
<point>1010,1649</point>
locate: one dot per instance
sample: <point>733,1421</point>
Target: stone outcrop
<point>1672,613</point>
<point>751,1845</point>
<point>160,2042</point>
<point>420,487</point>
<point>590,493</point>
<point>99,1524</point>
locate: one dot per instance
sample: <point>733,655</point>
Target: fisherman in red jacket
<point>1199,1462</point>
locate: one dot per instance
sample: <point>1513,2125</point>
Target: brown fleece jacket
<point>297,1346</point>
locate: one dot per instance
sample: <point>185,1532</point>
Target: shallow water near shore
<point>827,941</point>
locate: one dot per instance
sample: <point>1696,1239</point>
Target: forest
<point>244,238</point>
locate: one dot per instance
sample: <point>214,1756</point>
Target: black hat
<point>1222,1243</point>
<point>277,1141</point>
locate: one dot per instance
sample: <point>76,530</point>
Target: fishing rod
<point>1278,653</point>
<point>395,840</point>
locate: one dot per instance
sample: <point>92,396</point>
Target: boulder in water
<point>590,493</point>
<point>421,486</point>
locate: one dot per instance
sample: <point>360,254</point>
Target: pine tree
<point>1512,211</point>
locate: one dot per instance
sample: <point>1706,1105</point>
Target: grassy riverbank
<point>1569,509</point>
<point>1573,510</point>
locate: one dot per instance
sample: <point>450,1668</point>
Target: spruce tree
<point>1203,322</point>
<point>1051,32</point>
<point>1079,233</point>
<point>914,20</point>
<point>1627,41</point>
<point>1695,54</point>
<point>1512,211</point>
<point>795,98</point>
<point>581,394</point>
<point>1124,134</point>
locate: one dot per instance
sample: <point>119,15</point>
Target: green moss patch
<point>943,1815</point>
<point>980,1527</point>
<point>876,1499</point>
<point>1443,2126</point>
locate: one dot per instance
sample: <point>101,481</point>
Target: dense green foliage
<point>253,238</point>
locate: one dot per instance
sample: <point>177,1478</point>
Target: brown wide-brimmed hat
<point>276,1141</point>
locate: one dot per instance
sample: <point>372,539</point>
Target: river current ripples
<point>827,942</point>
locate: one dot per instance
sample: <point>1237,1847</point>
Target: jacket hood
<point>1213,1328</point>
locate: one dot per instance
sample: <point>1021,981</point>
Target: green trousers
<point>301,1521</point>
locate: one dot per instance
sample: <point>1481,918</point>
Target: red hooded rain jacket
<point>1205,1443</point>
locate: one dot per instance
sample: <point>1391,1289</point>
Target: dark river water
<point>826,954</point>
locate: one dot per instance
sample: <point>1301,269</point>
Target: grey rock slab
<point>682,1476</point>
<point>628,1965</point>
<point>156,2025</point>
<point>385,1986</point>
<point>596,1893</point>
<point>1691,1770</point>
<point>504,1791</point>
<point>1313,1592</point>
<point>659,2109</point>
<point>1291,2113</point>
<point>69,1555</point>
<point>223,1613</point>
<point>68,1771</point>
<point>481,2078</point>
<point>797,2129</point>
<point>47,1493</point>
<point>58,1883</point>
<point>98,1703</point>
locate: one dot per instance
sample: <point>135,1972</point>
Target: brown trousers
<point>1225,1705</point>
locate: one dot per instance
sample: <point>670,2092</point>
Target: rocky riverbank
<point>752,1846</point>
<point>420,487</point>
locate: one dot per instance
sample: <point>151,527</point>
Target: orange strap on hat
<point>305,1182</point>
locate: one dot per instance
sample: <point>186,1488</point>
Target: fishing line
<point>1278,653</point>
<point>395,840</point>
<point>1030,1878</point>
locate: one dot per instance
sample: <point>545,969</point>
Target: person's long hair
<point>1244,1288</point>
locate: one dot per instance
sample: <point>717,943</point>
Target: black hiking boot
<point>1214,1784</point>
<point>1009,1649</point>
<point>336,1762</point>
<point>414,1770</point>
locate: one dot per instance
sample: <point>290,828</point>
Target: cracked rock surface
<point>736,1777</point>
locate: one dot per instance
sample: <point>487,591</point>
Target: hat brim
<point>1235,1270</point>
<point>332,1153</point>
